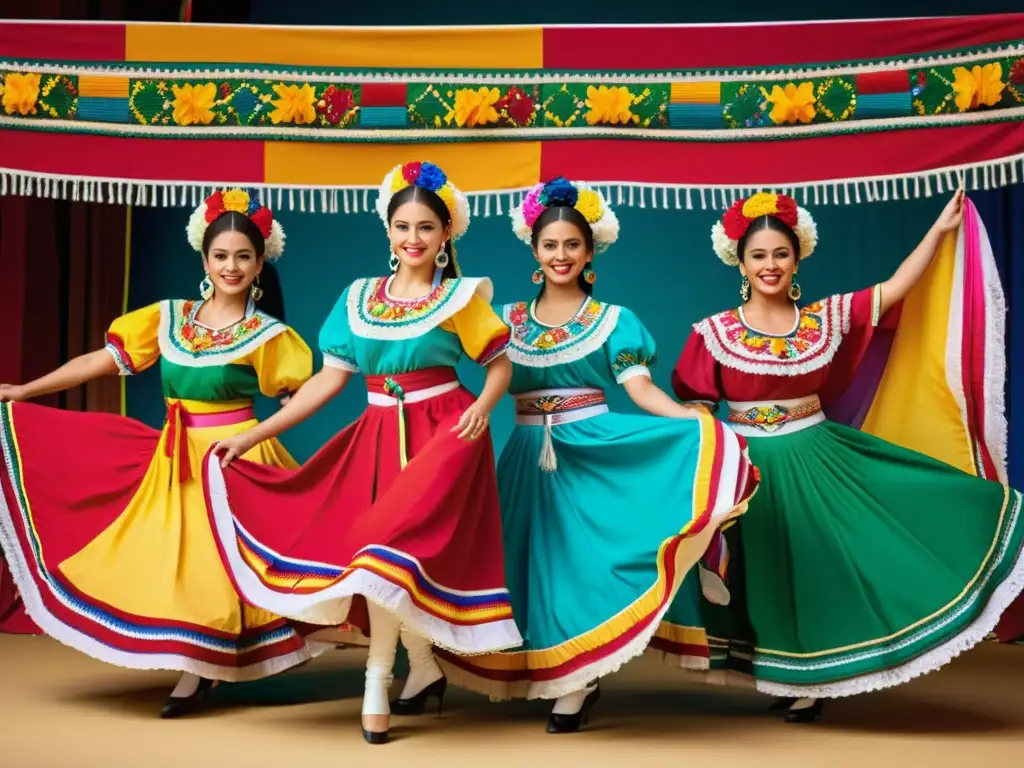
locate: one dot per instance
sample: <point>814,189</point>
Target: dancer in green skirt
<point>874,552</point>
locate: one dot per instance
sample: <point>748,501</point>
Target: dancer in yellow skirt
<point>103,520</point>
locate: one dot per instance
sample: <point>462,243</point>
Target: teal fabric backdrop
<point>662,268</point>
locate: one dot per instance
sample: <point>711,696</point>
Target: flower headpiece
<point>429,177</point>
<point>246,202</point>
<point>726,234</point>
<point>604,224</point>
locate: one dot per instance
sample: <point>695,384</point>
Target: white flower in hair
<point>591,204</point>
<point>243,202</point>
<point>726,233</point>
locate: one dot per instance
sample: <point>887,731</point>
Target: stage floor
<point>61,709</point>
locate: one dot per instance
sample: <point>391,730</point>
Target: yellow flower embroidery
<point>611,105</point>
<point>294,104</point>
<point>193,104</point>
<point>792,104</point>
<point>20,93</point>
<point>979,86</point>
<point>778,347</point>
<point>589,204</point>
<point>474,106</point>
<point>236,200</point>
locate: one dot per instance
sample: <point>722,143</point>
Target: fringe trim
<point>979,629</point>
<point>511,77</point>
<point>989,174</point>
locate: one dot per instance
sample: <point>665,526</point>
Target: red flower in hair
<point>787,211</point>
<point>263,219</point>
<point>214,206</point>
<point>734,222</point>
<point>411,171</point>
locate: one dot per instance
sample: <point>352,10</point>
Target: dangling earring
<point>441,259</point>
<point>254,290</point>
<point>745,289</point>
<point>794,289</point>
<point>538,276</point>
<point>394,261</point>
<point>589,275</point>
<point>206,287</point>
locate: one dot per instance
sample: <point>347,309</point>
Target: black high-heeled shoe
<point>415,705</point>
<point>806,714</point>
<point>571,723</point>
<point>177,706</point>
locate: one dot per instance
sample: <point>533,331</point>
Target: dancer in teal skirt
<point>876,553</point>
<point>603,514</point>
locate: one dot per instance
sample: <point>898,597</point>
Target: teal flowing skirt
<point>596,551</point>
<point>860,565</point>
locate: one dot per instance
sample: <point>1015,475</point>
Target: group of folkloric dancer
<point>857,564</point>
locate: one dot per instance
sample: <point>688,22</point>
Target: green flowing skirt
<point>860,565</point>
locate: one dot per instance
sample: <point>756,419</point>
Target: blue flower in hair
<point>431,177</point>
<point>559,191</point>
<point>254,200</point>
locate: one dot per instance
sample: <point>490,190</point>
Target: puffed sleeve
<point>481,331</point>
<point>336,337</point>
<point>858,317</point>
<point>630,348</point>
<point>695,377</point>
<point>133,340</point>
<point>283,364</point>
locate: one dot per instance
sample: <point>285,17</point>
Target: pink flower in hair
<point>532,206</point>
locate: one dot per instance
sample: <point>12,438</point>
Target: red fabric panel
<point>201,160</point>
<point>883,82</point>
<point>382,95</point>
<point>62,42</point>
<point>756,163</point>
<point>763,45</point>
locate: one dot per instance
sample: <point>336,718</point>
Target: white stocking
<point>802,704</point>
<point>187,685</point>
<point>572,703</point>
<point>423,668</point>
<point>380,662</point>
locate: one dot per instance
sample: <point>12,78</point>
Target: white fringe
<point>487,203</point>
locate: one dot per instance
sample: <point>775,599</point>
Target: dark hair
<point>577,219</point>
<point>768,222</point>
<point>272,300</point>
<point>414,194</point>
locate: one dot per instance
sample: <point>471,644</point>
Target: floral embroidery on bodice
<point>811,344</point>
<point>538,345</point>
<point>374,313</point>
<point>186,341</point>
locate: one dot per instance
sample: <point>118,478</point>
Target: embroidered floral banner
<point>106,111</point>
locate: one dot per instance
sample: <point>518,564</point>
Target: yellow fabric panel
<point>476,166</point>
<point>476,325</point>
<point>159,558</point>
<point>443,48</point>
<point>103,85</point>
<point>914,406</point>
<point>139,334</point>
<point>283,364</point>
<point>695,93</point>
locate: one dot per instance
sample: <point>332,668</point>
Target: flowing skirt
<point>106,534</point>
<point>866,564</point>
<point>423,541</point>
<point>597,550</point>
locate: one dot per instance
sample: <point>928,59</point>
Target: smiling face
<point>562,252</point>
<point>416,234</point>
<point>232,263</point>
<point>769,262</point>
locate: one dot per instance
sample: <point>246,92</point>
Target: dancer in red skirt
<point>401,507</point>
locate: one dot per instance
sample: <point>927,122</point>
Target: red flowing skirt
<point>424,542</point>
<point>13,619</point>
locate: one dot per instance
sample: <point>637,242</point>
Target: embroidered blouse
<point>371,331</point>
<point>727,359</point>
<point>258,354</point>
